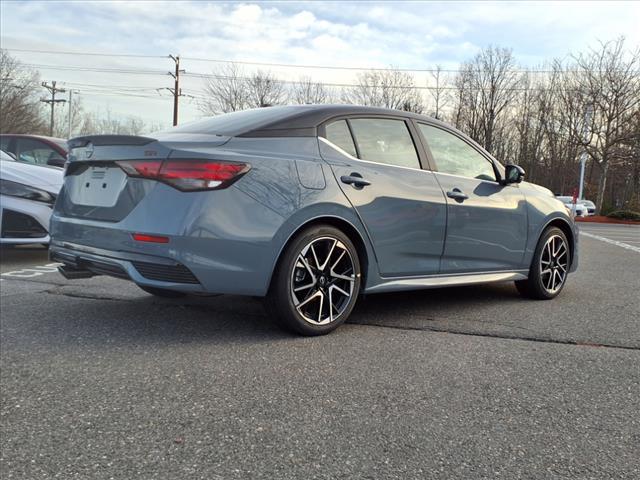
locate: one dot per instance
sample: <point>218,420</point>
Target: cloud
<point>409,35</point>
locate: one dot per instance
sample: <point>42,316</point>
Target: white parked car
<point>27,194</point>
<point>581,208</point>
<point>591,207</point>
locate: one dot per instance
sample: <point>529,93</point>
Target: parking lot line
<point>611,241</point>
<point>32,271</point>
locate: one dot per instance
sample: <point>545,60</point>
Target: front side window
<point>385,141</point>
<point>338,133</point>
<point>455,156</point>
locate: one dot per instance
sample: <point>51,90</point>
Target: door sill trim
<point>436,281</point>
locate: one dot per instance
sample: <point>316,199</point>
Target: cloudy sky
<point>412,35</point>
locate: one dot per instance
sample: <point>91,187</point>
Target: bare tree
<point>606,81</point>
<point>264,90</point>
<point>20,109</point>
<point>487,85</point>
<point>226,91</point>
<point>97,123</point>
<point>306,91</point>
<point>229,89</point>
<point>439,92</point>
<point>388,88</point>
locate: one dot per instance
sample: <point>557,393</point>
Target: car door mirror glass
<point>513,174</point>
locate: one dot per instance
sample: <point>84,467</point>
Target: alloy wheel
<point>554,263</point>
<point>322,280</point>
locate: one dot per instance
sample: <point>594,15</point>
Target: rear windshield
<point>236,123</point>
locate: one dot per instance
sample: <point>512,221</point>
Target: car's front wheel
<point>316,282</point>
<point>549,267</point>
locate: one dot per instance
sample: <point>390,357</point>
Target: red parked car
<point>35,149</point>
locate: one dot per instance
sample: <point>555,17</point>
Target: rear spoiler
<point>104,140</point>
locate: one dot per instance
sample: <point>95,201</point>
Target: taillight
<point>141,237</point>
<point>187,175</point>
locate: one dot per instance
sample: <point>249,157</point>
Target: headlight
<point>14,189</point>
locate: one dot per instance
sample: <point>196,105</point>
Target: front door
<point>401,205</point>
<point>486,221</point>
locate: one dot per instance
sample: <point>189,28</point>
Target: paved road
<point>100,380</point>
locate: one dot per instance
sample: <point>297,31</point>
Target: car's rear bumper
<point>142,269</point>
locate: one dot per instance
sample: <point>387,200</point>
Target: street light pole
<point>583,156</point>
<point>70,106</point>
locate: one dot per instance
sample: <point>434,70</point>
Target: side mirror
<point>513,174</point>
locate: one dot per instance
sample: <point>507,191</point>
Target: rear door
<point>378,167</point>
<point>486,221</point>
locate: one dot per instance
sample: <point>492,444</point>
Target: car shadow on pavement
<point>98,315</point>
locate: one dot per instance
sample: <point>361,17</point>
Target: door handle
<point>354,179</point>
<point>457,194</point>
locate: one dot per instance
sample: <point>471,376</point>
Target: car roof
<point>27,135</point>
<point>284,121</point>
<point>312,116</point>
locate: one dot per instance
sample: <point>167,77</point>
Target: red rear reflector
<point>141,237</point>
<point>187,174</point>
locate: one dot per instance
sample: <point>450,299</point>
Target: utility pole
<point>176,91</point>
<point>52,88</point>
<point>583,156</point>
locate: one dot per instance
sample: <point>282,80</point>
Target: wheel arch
<point>345,226</point>
<point>566,228</point>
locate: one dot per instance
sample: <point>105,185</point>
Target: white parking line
<point>612,242</point>
<point>32,271</point>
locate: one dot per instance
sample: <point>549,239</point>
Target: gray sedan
<point>308,206</point>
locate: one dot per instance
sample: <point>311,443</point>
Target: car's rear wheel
<point>549,267</point>
<point>163,292</point>
<point>316,282</point>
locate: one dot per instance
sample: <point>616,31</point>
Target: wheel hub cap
<point>322,281</point>
<point>554,263</point>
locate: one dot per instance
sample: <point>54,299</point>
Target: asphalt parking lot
<point>100,380</point>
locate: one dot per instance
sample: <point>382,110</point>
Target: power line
<point>91,54</point>
<point>279,65</point>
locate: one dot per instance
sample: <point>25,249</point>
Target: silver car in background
<point>580,209</point>
<point>308,206</point>
<point>27,195</point>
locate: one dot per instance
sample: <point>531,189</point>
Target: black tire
<point>163,292</point>
<point>280,301</point>
<point>534,287</point>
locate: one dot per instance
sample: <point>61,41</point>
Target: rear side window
<point>4,143</point>
<point>34,151</point>
<point>385,141</point>
<point>455,156</point>
<point>338,133</point>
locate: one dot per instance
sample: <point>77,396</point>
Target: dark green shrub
<point>625,215</point>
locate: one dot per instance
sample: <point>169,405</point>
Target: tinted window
<point>385,141</point>
<point>338,133</point>
<point>455,156</point>
<point>4,143</point>
<point>35,151</point>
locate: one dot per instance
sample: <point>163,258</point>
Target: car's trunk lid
<point>97,188</point>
